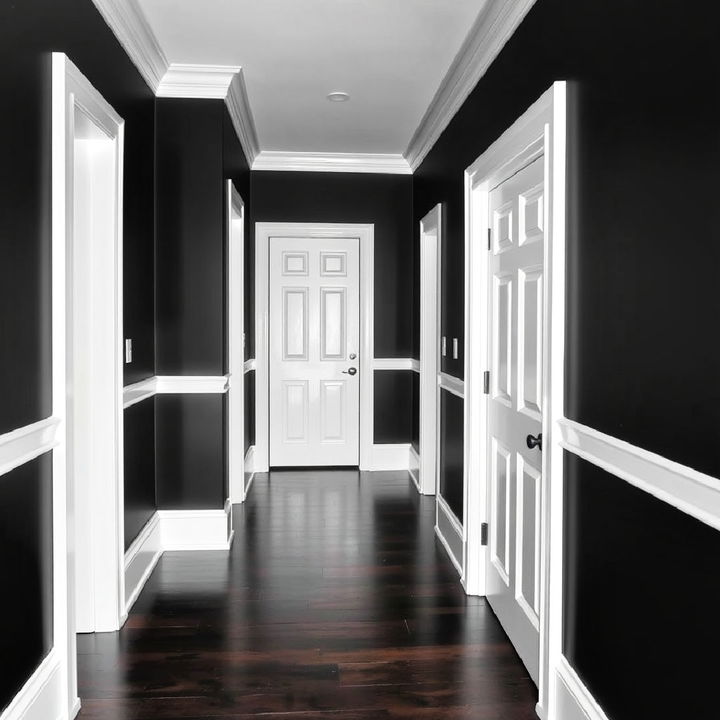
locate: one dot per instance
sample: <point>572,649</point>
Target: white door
<point>314,351</point>
<point>515,407</point>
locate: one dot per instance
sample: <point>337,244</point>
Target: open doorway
<point>87,364</point>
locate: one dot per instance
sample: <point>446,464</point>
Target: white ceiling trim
<point>131,28</point>
<point>197,81</point>
<point>241,115</point>
<point>386,163</point>
<point>493,28</point>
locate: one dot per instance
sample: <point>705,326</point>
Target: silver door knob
<point>353,356</point>
<point>350,371</point>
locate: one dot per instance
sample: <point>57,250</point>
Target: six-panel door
<point>314,351</point>
<point>515,407</point>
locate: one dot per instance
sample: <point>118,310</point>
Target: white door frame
<point>430,249</point>
<point>235,220</point>
<point>541,130</point>
<point>366,233</point>
<point>72,91</point>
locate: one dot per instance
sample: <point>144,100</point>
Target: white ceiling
<point>389,55</point>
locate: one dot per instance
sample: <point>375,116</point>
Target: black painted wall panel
<point>451,452</point>
<point>393,406</point>
<point>641,593</point>
<point>29,31</point>
<point>249,409</point>
<point>416,411</point>
<point>386,201</point>
<point>26,561</point>
<point>190,454</point>
<point>139,486</point>
<point>190,278</point>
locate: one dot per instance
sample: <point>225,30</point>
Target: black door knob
<point>350,371</point>
<point>534,442</point>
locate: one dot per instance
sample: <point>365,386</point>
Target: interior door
<point>314,351</point>
<point>515,407</point>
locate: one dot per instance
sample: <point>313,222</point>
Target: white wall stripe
<point>396,364</point>
<point>688,490</point>
<point>25,444</point>
<point>454,385</point>
<point>250,365</point>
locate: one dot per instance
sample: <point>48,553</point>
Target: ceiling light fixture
<point>338,97</point>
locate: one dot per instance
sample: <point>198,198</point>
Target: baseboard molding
<point>196,529</point>
<point>41,698</point>
<point>141,558</point>
<point>249,468</point>
<point>450,532</point>
<point>390,457</point>
<point>414,466</point>
<point>574,700</point>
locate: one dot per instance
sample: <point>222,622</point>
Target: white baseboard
<point>414,466</point>
<point>249,467</point>
<point>196,529</point>
<point>450,533</point>
<point>390,457</point>
<point>574,700</point>
<point>41,698</point>
<point>141,558</point>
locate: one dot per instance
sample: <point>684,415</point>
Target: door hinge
<point>486,382</point>
<point>489,238</point>
<point>484,534</point>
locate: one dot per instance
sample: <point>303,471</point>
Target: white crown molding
<point>131,28</point>
<point>493,27</point>
<point>241,115</point>
<point>688,490</point>
<point>197,81</point>
<point>332,162</point>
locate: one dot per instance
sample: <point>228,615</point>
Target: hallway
<point>336,601</point>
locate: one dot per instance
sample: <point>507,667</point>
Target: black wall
<point>385,201</point>
<point>451,453</point>
<point>644,148</point>
<point>139,454</point>
<point>29,32</point>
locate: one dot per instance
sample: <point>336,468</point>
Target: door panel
<point>314,329</point>
<point>515,407</point>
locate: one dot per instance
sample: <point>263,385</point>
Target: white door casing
<point>314,351</point>
<point>515,284</point>
<point>430,244</point>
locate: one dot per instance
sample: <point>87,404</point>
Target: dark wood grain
<point>336,601</point>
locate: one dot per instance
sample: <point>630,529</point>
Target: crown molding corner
<point>385,163</point>
<point>493,27</point>
<point>242,118</point>
<point>130,26</point>
<point>197,81</point>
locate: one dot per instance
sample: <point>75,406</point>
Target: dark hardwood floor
<point>336,601</point>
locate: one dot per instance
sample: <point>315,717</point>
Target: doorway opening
<point>87,363</point>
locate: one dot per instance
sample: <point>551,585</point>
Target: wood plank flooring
<point>336,601</point>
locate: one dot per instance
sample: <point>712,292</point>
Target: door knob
<point>353,356</point>
<point>350,371</point>
<point>534,442</point>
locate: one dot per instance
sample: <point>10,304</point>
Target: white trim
<point>540,131</point>
<point>140,560</point>
<point>183,80</point>
<point>493,27</point>
<point>387,163</point>
<point>688,490</point>
<point>195,529</point>
<point>429,364</point>
<point>366,233</point>
<point>574,700</point>
<point>396,364</point>
<point>139,391</point>
<point>235,228</point>
<point>238,106</point>
<point>249,468</point>
<point>27,443</point>
<point>249,366</point>
<point>388,456</point>
<point>441,507</point>
<point>452,384</point>
<point>450,515</point>
<point>42,696</point>
<point>448,550</point>
<point>130,26</point>
<point>190,384</point>
<point>71,91</point>
<point>414,466</point>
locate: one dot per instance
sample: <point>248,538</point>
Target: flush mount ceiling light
<point>338,97</point>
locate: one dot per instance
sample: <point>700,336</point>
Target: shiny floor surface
<point>336,601</point>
